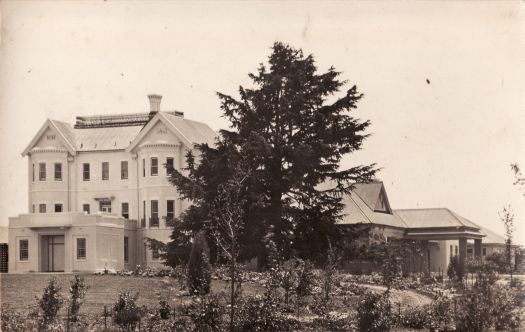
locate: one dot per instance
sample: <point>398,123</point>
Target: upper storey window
<point>123,170</point>
<point>105,170</point>
<point>169,165</point>
<point>33,172</point>
<point>42,171</point>
<point>154,166</point>
<point>85,172</point>
<point>58,172</point>
<point>143,167</point>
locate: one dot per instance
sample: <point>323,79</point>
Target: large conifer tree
<point>291,131</point>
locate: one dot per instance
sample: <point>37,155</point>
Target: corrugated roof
<point>195,132</point>
<point>435,217</point>
<point>358,211</point>
<point>110,136</point>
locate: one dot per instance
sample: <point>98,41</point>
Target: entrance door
<point>53,252</point>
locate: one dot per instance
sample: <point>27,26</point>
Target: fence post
<point>105,317</point>
<point>399,312</point>
<point>67,321</point>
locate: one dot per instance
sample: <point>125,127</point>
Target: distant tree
<point>507,217</point>
<point>519,179</point>
<point>294,132</point>
<point>199,267</point>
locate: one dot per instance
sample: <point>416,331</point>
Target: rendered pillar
<point>477,248</point>
<point>462,254</point>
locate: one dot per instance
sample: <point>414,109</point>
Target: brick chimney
<point>154,103</point>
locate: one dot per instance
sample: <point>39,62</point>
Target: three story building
<point>99,188</point>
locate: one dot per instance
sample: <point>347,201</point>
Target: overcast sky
<point>448,143</point>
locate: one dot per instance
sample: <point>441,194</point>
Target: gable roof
<point>433,217</point>
<point>361,203</point>
<point>118,132</point>
<point>373,194</point>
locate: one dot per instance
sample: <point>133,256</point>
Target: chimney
<point>154,103</point>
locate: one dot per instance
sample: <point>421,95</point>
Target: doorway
<point>53,253</point>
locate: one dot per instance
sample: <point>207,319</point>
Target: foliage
<point>374,313</point>
<point>507,217</point>
<point>455,270</point>
<point>505,304</point>
<point>415,317</point>
<point>499,261</point>
<point>77,291</point>
<point>390,256</point>
<point>262,313</point>
<point>293,132</point>
<point>164,309</point>
<point>206,313</point>
<point>12,320</point>
<point>440,315</point>
<point>199,267</point>
<point>51,301</point>
<point>126,312</point>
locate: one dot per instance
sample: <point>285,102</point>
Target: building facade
<point>99,189</point>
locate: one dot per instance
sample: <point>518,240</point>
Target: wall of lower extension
<point>86,243</point>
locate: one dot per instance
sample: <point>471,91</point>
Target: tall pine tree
<point>291,131</point>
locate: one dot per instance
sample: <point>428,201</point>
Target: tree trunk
<point>232,294</point>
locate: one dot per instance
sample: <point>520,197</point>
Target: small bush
<point>440,315</point>
<point>51,302</point>
<point>126,313</point>
<point>262,313</point>
<point>454,269</point>
<point>414,317</point>
<point>373,313</point>
<point>164,309</point>
<point>206,313</point>
<point>77,291</point>
<point>199,267</point>
<point>12,320</point>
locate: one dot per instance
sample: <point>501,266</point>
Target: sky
<point>446,143</point>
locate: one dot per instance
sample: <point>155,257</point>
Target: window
<point>169,165</point>
<point>33,208</point>
<point>24,250</point>
<point>105,206</point>
<point>170,209</point>
<point>469,251</point>
<point>42,208</point>
<point>81,248</point>
<point>143,167</point>
<point>143,220</point>
<point>451,250</point>
<point>456,250</point>
<point>484,251</point>
<point>154,220</point>
<point>85,208</point>
<point>42,171</point>
<point>154,166</point>
<point>155,254</point>
<point>58,207</point>
<point>85,171</point>
<point>58,171</point>
<point>105,170</point>
<point>123,170</point>
<point>126,249</point>
<point>125,210</point>
<point>33,172</point>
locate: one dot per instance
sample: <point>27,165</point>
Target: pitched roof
<point>433,217</point>
<point>116,132</point>
<point>492,237</point>
<point>358,210</point>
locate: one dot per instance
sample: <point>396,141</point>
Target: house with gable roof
<point>99,188</point>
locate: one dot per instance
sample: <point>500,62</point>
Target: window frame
<point>33,172</point>
<point>168,212</point>
<point>42,172</point>
<point>154,214</point>
<point>86,172</point>
<point>55,171</point>
<point>124,171</point>
<point>78,248</point>
<point>154,166</point>
<point>126,249</point>
<point>25,250</point>
<point>88,208</point>
<point>124,215</point>
<point>143,167</point>
<point>168,172</point>
<point>55,207</point>
<point>105,172</point>
<point>40,206</point>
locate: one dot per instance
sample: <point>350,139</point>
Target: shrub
<point>51,302</point>
<point>440,314</point>
<point>164,309</point>
<point>77,291</point>
<point>454,269</point>
<point>12,320</point>
<point>262,313</point>
<point>206,313</point>
<point>505,308</point>
<point>373,313</point>
<point>414,317</point>
<point>199,267</point>
<point>126,313</point>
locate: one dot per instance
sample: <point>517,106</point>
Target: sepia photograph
<point>257,166</point>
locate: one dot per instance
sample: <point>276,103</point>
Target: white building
<point>99,188</point>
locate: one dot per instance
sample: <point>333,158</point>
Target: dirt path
<point>405,297</point>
